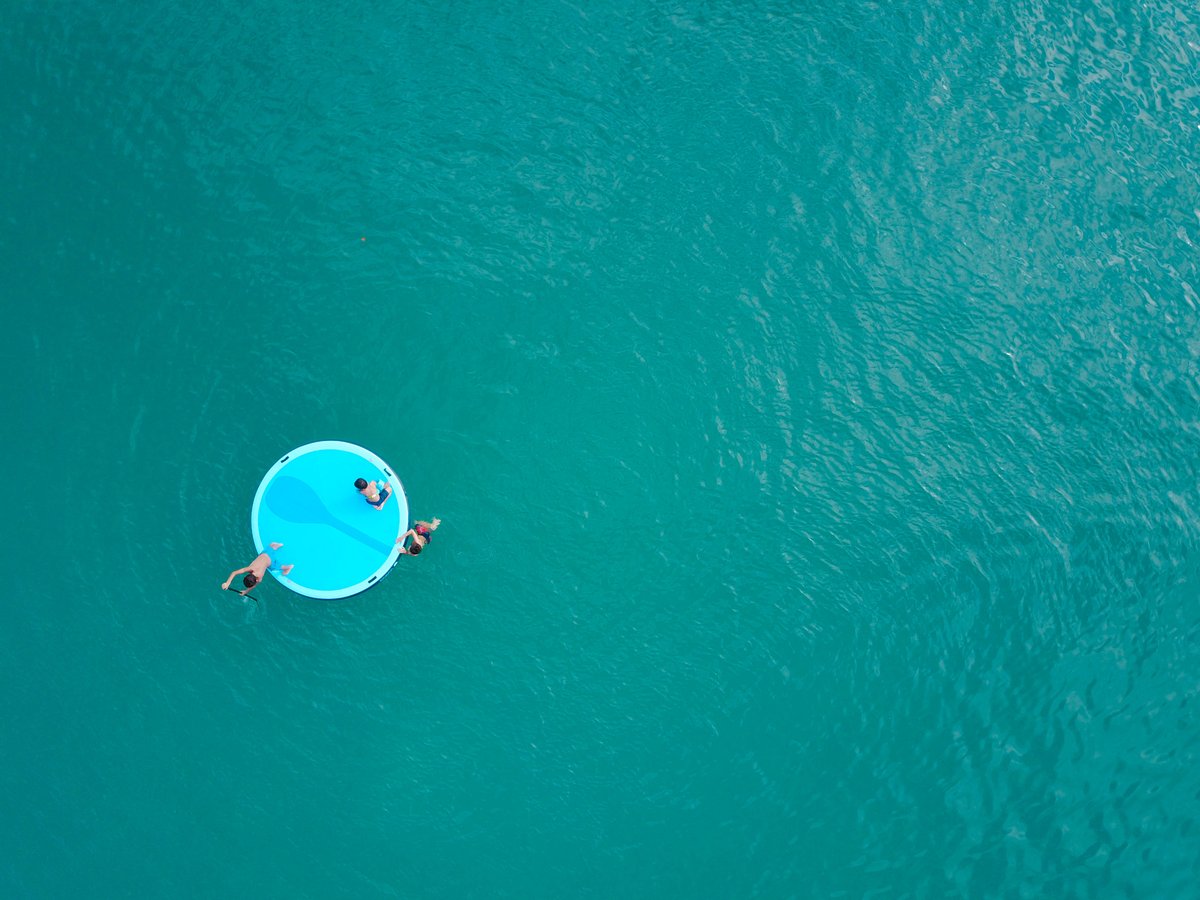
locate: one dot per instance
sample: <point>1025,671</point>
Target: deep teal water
<point>809,392</point>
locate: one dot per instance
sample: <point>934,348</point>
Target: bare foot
<point>276,546</point>
<point>288,568</point>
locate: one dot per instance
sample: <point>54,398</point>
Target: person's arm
<point>404,537</point>
<point>233,575</point>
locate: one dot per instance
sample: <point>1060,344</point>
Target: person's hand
<point>225,586</point>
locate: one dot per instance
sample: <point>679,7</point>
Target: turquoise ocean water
<point>809,393</point>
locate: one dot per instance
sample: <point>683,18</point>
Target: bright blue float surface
<point>339,544</point>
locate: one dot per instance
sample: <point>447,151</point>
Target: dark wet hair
<point>360,483</point>
<point>250,580</point>
<point>414,548</point>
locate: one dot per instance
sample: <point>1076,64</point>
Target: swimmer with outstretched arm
<point>256,571</point>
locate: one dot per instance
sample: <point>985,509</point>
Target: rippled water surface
<point>809,392</point>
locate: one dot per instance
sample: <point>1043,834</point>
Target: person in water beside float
<point>374,492</point>
<point>257,571</point>
<point>421,534</point>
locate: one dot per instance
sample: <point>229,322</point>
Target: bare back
<point>259,567</point>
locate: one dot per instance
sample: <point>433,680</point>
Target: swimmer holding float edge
<point>421,534</point>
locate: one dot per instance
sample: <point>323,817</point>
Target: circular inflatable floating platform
<point>338,543</point>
